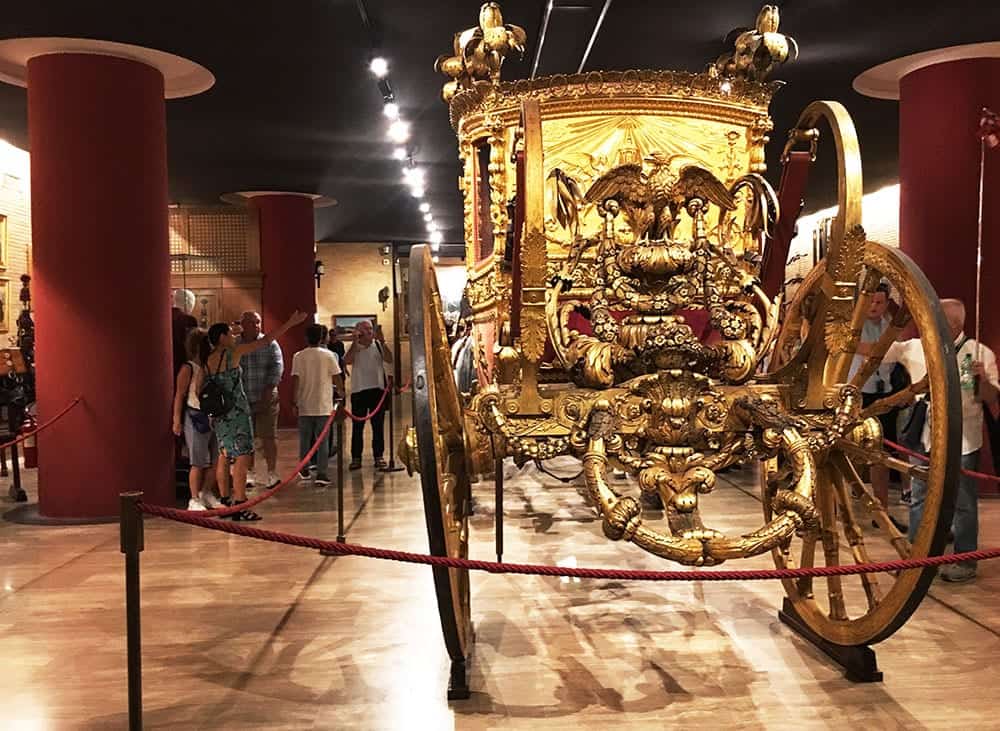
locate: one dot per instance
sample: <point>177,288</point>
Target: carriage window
<point>484,222</point>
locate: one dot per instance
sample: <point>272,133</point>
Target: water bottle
<point>968,381</point>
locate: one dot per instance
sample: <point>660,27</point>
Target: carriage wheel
<point>437,418</point>
<point>863,609</point>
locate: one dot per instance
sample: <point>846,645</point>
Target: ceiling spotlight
<point>417,191</point>
<point>399,131</point>
<point>437,237</point>
<point>435,247</point>
<point>414,177</point>
<point>391,110</point>
<point>425,207</point>
<point>435,259</point>
<point>379,66</point>
<point>428,217</point>
<point>399,153</point>
<point>431,226</point>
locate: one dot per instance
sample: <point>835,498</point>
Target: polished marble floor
<point>243,634</point>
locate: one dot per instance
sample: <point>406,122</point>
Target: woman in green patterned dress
<point>234,430</point>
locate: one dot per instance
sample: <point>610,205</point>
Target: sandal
<point>247,515</point>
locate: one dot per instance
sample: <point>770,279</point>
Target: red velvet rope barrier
<point>378,408</point>
<point>354,549</point>
<point>258,499</point>
<point>221,512</point>
<point>971,473</point>
<point>28,434</point>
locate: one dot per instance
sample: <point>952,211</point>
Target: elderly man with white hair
<point>977,366</point>
<point>367,359</point>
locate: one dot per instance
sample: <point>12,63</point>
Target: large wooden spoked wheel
<point>863,609</point>
<point>437,418</point>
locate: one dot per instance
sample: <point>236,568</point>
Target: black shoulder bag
<point>215,400</point>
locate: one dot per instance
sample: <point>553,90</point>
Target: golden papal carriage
<point>618,233</point>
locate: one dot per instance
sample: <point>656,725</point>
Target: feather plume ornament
<point>569,200</point>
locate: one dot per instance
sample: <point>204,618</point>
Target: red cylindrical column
<point>939,155</point>
<point>102,280</point>
<point>287,259</point>
<point>939,114</point>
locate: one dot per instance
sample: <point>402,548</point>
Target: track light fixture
<point>379,66</point>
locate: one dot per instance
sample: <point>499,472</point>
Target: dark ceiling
<point>295,108</point>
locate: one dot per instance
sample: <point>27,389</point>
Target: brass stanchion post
<point>131,533</point>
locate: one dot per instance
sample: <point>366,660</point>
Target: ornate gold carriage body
<point>620,235</point>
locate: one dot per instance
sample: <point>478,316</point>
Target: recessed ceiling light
<point>399,131</point>
<point>414,176</point>
<point>435,247</point>
<point>379,66</point>
<point>417,191</point>
<point>428,217</point>
<point>435,259</point>
<point>399,153</point>
<point>391,110</point>
<point>432,227</point>
<point>437,237</point>
<point>425,207</point>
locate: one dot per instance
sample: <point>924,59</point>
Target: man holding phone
<point>367,358</point>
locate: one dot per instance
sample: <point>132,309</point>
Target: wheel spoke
<point>856,539</point>
<point>918,471</point>
<point>858,315</point>
<point>873,505</point>
<point>831,545</point>
<point>897,400</point>
<point>874,359</point>
<point>805,584</point>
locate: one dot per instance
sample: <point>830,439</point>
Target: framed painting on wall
<point>343,325</point>
<point>5,305</point>
<point>3,241</point>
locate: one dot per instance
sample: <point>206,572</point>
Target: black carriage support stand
<point>858,661</point>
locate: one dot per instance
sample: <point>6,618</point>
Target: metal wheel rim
<point>437,417</point>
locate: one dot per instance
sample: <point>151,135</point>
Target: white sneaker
<point>194,504</point>
<point>209,500</point>
<point>272,480</point>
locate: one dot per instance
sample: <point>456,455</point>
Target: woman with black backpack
<point>223,397</point>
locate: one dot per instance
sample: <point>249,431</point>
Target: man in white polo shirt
<point>976,362</point>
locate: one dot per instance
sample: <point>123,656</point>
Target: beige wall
<point>354,275</point>
<point>15,207</point>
